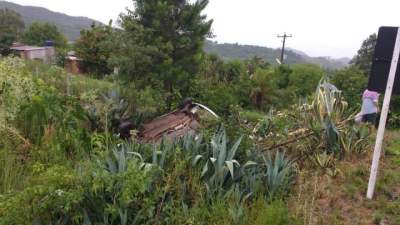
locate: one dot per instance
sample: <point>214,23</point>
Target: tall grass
<point>13,173</point>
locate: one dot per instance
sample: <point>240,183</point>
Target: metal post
<point>382,122</point>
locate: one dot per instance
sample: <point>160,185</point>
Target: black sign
<point>382,60</point>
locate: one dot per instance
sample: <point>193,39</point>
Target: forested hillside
<point>70,26</point>
<point>237,51</point>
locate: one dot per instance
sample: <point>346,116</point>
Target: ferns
<point>13,135</point>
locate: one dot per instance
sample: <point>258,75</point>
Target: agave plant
<point>161,154</point>
<point>117,164</point>
<point>221,169</point>
<point>118,107</point>
<point>328,102</point>
<point>355,139</point>
<point>237,209</point>
<point>192,147</point>
<point>279,174</point>
<point>265,126</point>
<point>324,160</point>
<point>108,111</point>
<point>116,161</point>
<point>325,116</point>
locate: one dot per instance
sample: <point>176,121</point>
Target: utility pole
<point>284,36</point>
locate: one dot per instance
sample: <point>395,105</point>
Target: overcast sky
<point>333,28</point>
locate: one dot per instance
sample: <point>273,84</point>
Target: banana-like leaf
<point>205,170</point>
<point>231,168</point>
<point>137,155</point>
<point>249,164</point>
<point>196,160</point>
<point>234,148</point>
<point>86,219</point>
<point>121,161</point>
<point>123,215</point>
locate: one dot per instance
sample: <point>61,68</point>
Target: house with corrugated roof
<point>46,54</point>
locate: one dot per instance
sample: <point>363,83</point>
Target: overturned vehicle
<point>176,124</point>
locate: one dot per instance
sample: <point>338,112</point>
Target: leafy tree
<point>304,78</point>
<point>254,63</point>
<point>38,33</point>
<point>352,82</point>
<point>281,76</point>
<point>233,70</point>
<point>263,89</point>
<point>212,66</point>
<point>11,28</point>
<point>220,97</point>
<point>164,40</point>
<point>364,56</point>
<point>133,57</point>
<point>94,47</point>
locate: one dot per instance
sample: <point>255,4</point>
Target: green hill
<point>237,51</point>
<point>70,26</point>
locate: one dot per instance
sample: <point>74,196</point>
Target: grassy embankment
<point>321,199</point>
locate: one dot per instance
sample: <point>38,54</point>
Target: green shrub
<point>16,87</point>
<point>304,78</point>
<point>53,196</point>
<point>251,116</point>
<point>274,213</point>
<point>352,81</point>
<point>108,192</point>
<point>13,174</point>
<point>219,97</point>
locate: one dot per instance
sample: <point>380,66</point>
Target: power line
<point>284,36</point>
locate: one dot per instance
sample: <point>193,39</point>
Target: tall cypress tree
<point>169,34</point>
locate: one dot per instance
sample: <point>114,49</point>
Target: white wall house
<point>45,54</point>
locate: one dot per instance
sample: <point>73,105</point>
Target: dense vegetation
<point>284,150</point>
<point>62,163</point>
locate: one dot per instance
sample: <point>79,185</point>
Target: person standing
<point>370,107</point>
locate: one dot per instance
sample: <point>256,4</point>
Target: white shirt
<point>368,106</point>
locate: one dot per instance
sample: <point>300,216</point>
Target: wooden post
<point>284,36</point>
<point>68,83</point>
<point>382,122</point>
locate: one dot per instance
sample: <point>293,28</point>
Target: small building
<point>45,54</point>
<point>72,63</point>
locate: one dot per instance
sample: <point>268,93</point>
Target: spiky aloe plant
<point>265,126</point>
<point>355,139</point>
<point>193,148</point>
<point>279,174</point>
<point>116,160</point>
<point>221,168</point>
<point>326,115</point>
